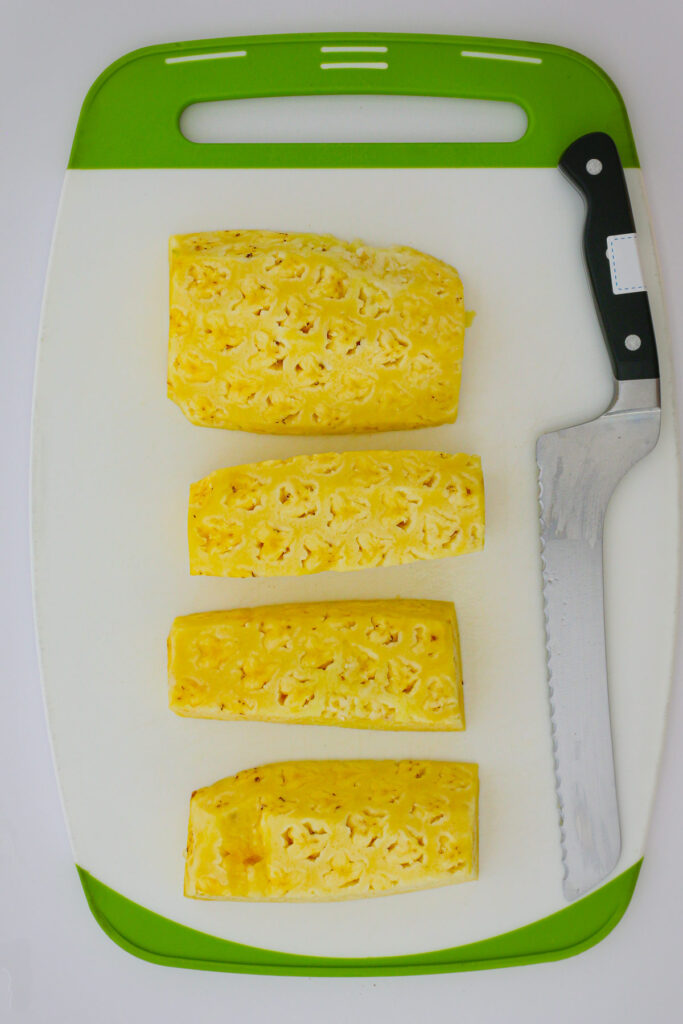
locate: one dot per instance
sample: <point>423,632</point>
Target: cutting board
<point>113,459</point>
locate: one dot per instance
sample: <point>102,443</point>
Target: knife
<point>579,467</point>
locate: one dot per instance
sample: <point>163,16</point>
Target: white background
<point>59,966</point>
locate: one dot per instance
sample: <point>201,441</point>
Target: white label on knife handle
<point>624,264</point>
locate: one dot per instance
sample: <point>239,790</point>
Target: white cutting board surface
<point>113,460</point>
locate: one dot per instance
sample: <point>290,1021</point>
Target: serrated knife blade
<point>579,467</point>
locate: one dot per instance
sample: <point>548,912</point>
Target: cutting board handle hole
<point>353,119</point>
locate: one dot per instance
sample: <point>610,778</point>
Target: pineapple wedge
<point>306,334</point>
<point>332,830</point>
<point>335,511</point>
<point>366,664</point>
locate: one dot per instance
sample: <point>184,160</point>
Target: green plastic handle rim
<point>130,117</point>
<point>153,937</point>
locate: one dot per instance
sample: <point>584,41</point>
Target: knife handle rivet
<point>632,342</point>
<point>594,166</point>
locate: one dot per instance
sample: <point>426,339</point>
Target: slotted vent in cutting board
<point>362,118</point>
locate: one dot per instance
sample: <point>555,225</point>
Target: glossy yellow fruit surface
<point>307,334</point>
<point>391,664</point>
<point>337,511</point>
<point>332,830</point>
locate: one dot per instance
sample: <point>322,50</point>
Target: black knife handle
<point>592,164</point>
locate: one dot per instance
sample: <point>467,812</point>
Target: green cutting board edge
<point>560,935</point>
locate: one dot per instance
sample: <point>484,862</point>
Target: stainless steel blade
<point>579,467</point>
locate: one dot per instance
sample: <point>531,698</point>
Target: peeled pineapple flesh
<point>391,664</point>
<point>335,511</point>
<point>287,333</point>
<point>332,830</point>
